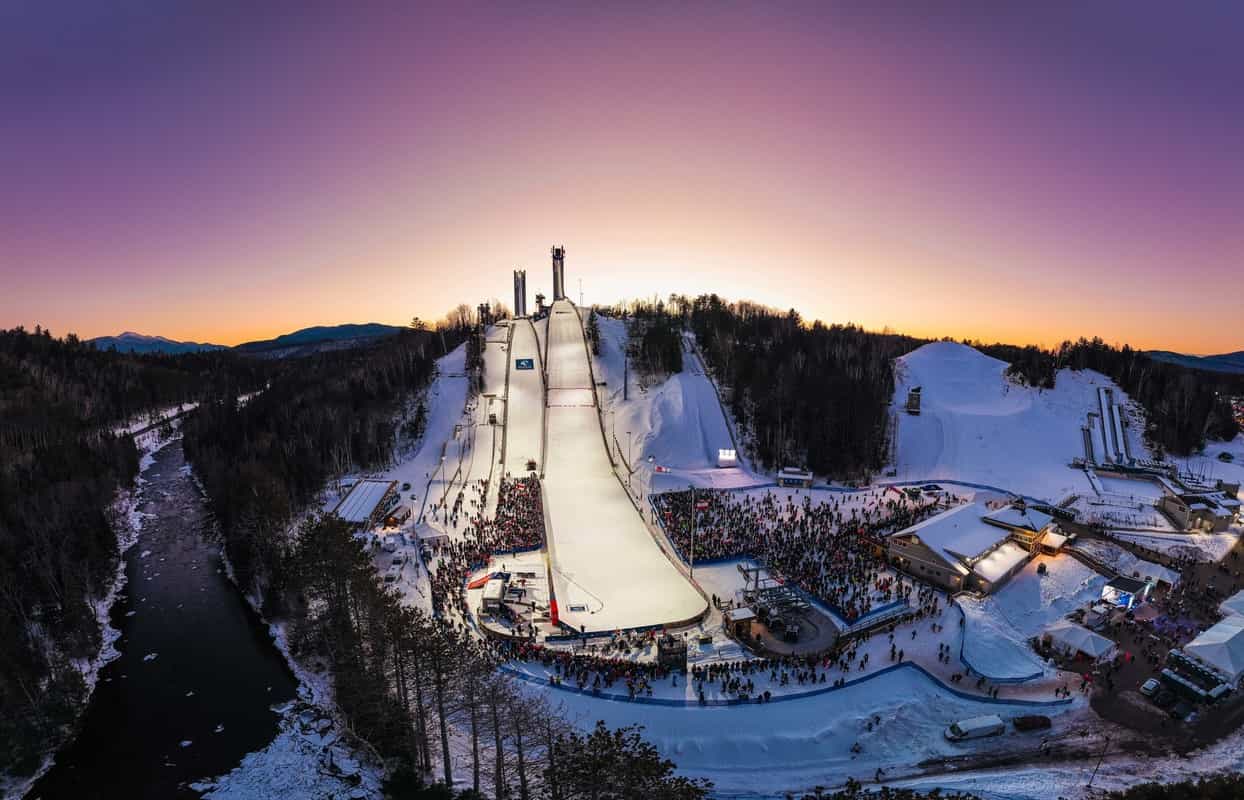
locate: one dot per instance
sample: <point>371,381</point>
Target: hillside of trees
<point>404,681</point>
<point>817,395</point>
<point>1183,406</point>
<point>264,461</point>
<point>60,469</point>
<point>805,395</point>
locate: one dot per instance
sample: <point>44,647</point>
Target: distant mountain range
<point>298,343</point>
<point>130,342</point>
<point>1227,362</point>
<point>318,338</point>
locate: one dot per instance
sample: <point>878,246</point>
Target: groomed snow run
<point>977,426</point>
<point>608,571</point>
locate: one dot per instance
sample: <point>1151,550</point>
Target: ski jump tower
<point>559,273</point>
<point>520,292</point>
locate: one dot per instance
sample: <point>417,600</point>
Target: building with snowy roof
<point>959,549</point>
<point>1211,512</point>
<point>367,502</point>
<point>1028,526</point>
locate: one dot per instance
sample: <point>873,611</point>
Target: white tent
<point>1071,638</point>
<point>1222,647</point>
<point>1233,604</point>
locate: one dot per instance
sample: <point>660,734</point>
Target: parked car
<point>1031,722</point>
<point>398,561</point>
<point>1182,710</point>
<point>975,728</point>
<point>1150,687</point>
<point>1165,698</point>
<point>405,487</point>
<point>392,574</point>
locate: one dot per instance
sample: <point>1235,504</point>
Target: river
<point>198,673</point>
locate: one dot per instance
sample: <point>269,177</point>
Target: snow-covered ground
<point>1207,466</point>
<point>1124,562</point>
<point>678,423</point>
<point>154,417</point>
<point>1198,546</point>
<point>975,425</point>
<point>761,750</point>
<point>1118,771</point>
<point>608,571</point>
<point>999,625</point>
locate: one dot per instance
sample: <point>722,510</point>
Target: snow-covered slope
<point>976,425</point>
<point>678,423</point>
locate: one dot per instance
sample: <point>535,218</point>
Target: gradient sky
<point>223,171</point>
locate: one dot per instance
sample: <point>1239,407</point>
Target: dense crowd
<point>517,525</point>
<point>831,549</point>
<point>595,669</point>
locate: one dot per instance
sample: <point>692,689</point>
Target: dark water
<point>215,664</point>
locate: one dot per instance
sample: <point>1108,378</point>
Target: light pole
<point>629,469</point>
<point>1099,760</point>
<point>444,489</point>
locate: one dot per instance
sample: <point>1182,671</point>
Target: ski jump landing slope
<point>524,413</point>
<point>608,573</point>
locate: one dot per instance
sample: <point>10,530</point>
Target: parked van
<point>975,728</point>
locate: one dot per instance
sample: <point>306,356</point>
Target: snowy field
<point>762,750</point>
<point>608,570</point>
<point>1000,625</point>
<point>977,426</point>
<point>1207,465</point>
<point>1139,490</point>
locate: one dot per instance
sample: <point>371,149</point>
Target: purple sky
<point>224,170</point>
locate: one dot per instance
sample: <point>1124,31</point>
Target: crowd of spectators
<point>830,549</point>
<point>517,525</point>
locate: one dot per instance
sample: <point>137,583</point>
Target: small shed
<point>794,478</point>
<point>398,516</point>
<point>727,458</point>
<point>672,652</point>
<point>739,621</point>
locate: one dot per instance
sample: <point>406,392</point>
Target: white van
<point>975,728</point>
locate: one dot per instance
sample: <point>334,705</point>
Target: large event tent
<point>1072,639</point>
<point>1233,604</point>
<point>1222,647</point>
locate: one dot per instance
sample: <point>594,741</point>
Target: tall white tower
<point>520,292</point>
<point>559,273</point>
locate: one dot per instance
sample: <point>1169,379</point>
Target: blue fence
<point>672,703</point>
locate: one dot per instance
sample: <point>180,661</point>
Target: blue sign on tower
<point>524,363</point>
